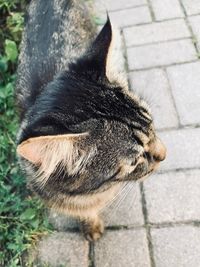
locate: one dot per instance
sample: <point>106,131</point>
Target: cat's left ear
<point>52,148</point>
<point>95,59</point>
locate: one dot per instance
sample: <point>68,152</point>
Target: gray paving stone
<point>156,32</point>
<point>192,6</point>
<point>176,247</point>
<point>121,4</point>
<point>161,54</point>
<point>167,9</point>
<point>62,222</point>
<point>64,249</point>
<point>195,22</point>
<point>183,149</point>
<point>122,248</point>
<point>130,16</point>
<point>185,80</point>
<point>126,209</point>
<point>173,196</point>
<point>153,85</point>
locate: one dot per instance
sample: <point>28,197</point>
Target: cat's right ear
<point>95,59</point>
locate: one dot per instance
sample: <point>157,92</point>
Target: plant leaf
<point>28,214</point>
<point>11,50</point>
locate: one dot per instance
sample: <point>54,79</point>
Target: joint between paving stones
<point>172,128</point>
<point>155,22</point>
<point>168,19</point>
<point>177,170</point>
<point>181,127</point>
<point>126,8</point>
<point>174,224</point>
<point>158,225</point>
<point>151,10</point>
<point>190,28</point>
<point>91,255</point>
<point>172,98</point>
<point>164,66</point>
<point>161,42</point>
<point>194,40</point>
<point>147,227</point>
<point>194,15</point>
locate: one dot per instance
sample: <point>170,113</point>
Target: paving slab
<point>130,16</point>
<point>167,9</point>
<point>64,249</point>
<point>183,149</point>
<point>62,222</point>
<point>121,4</point>
<point>176,247</point>
<point>185,80</point>
<point>194,23</point>
<point>156,32</point>
<point>153,86</point>
<point>173,196</point>
<point>191,6</point>
<point>122,248</point>
<point>126,210</point>
<point>161,54</point>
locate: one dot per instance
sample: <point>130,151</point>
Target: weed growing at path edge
<point>22,217</point>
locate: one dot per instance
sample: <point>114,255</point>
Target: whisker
<point>112,200</point>
<point>133,199</point>
<point>117,205</point>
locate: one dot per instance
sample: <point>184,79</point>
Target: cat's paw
<point>93,230</point>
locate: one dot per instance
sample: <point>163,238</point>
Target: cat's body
<point>56,33</point>
<point>82,135</point>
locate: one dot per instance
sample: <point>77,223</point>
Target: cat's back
<point>56,32</point>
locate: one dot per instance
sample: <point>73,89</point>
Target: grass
<point>22,217</point>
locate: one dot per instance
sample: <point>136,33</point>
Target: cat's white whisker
<point>113,199</point>
<point>118,203</point>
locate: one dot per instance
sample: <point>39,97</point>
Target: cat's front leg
<point>92,227</point>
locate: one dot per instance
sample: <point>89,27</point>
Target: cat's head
<point>86,132</point>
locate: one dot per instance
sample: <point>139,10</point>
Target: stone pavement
<point>155,223</point>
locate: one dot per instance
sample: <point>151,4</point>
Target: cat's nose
<point>158,150</point>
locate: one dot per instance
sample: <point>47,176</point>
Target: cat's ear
<point>50,150</point>
<point>95,59</point>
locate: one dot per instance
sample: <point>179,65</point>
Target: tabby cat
<point>82,134</point>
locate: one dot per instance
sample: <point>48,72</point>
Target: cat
<point>83,133</point>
